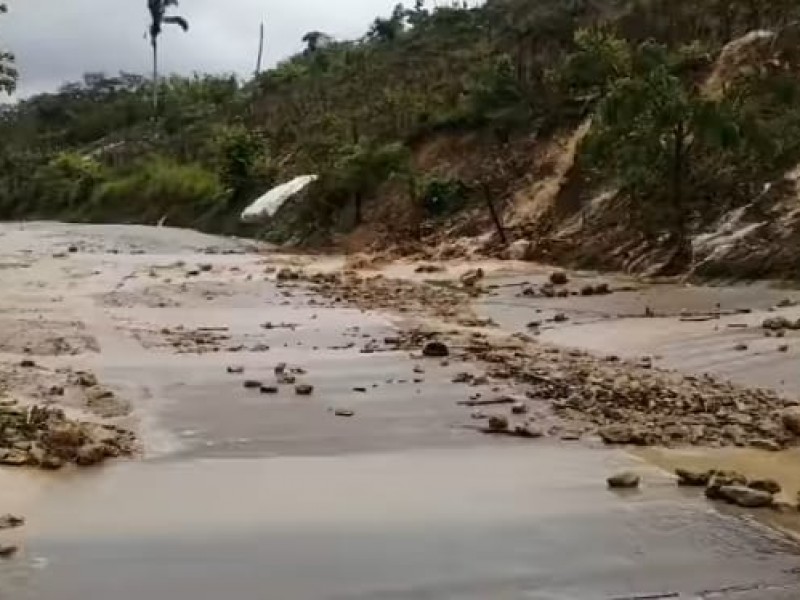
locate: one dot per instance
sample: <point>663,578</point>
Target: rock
<point>27,364</point>
<point>304,389</point>
<point>693,478</point>
<point>280,368</point>
<point>286,379</point>
<point>498,423</point>
<point>520,250</point>
<point>783,348</point>
<point>360,390</point>
<point>91,454</point>
<point>236,370</point>
<point>51,463</point>
<point>252,384</point>
<point>8,550</point>
<point>777,323</point>
<point>471,277</point>
<point>9,521</point>
<point>602,289</point>
<point>72,249</point>
<point>765,485</point>
<point>559,278</point>
<point>205,267</point>
<point>768,445</point>
<point>435,350</point>
<point>741,347</point>
<point>14,458</point>
<point>429,269</point>
<point>269,389</point>
<point>791,420</point>
<point>626,480</point>
<point>587,290</point>
<point>527,431</point>
<point>85,379</point>
<point>560,318</point>
<point>519,408</point>
<point>745,497</point>
<point>479,415</point>
<point>720,479</point>
<point>623,434</point>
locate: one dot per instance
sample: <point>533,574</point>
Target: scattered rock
<point>520,250</point>
<point>8,550</point>
<point>27,364</point>
<point>236,370</point>
<point>280,368</point>
<point>429,269</point>
<point>471,277</point>
<point>791,420</point>
<point>205,267</point>
<point>765,485</point>
<point>623,434</point>
<point>435,350</point>
<point>340,412</point>
<point>9,521</point>
<point>252,384</point>
<point>285,379</point>
<point>498,423</point>
<point>768,445</point>
<point>91,454</point>
<point>559,278</point>
<point>14,458</point>
<point>269,389</point>
<point>304,389</point>
<point>783,348</point>
<point>519,408</point>
<point>693,478</point>
<point>560,318</point>
<point>741,347</point>
<point>626,480</point>
<point>745,497</point>
<point>51,463</point>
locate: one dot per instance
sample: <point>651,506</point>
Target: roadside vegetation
<point>678,150</point>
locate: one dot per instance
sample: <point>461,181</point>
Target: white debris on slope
<point>270,203</point>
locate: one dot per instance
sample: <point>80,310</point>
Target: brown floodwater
<point>248,496</point>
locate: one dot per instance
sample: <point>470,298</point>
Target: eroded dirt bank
<point>286,407</point>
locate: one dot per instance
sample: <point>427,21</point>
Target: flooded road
<point>245,495</point>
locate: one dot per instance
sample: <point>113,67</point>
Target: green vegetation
<point>8,74</point>
<point>359,113</point>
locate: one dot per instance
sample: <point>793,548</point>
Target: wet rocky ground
<point>286,407</point>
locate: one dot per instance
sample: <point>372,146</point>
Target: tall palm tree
<point>158,10</point>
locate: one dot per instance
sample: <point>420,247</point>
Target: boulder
<point>745,497</point>
<point>693,478</point>
<point>252,384</point>
<point>471,277</point>
<point>791,419</point>
<point>91,454</point>
<point>435,350</point>
<point>520,250</point>
<point>235,370</point>
<point>626,480</point>
<point>8,550</point>
<point>498,423</point>
<point>341,412</point>
<point>269,389</point>
<point>559,278</point>
<point>14,458</point>
<point>768,445</point>
<point>623,434</point>
<point>304,389</point>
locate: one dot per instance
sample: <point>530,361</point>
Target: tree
<point>647,134</point>
<point>8,74</point>
<point>388,30</point>
<point>159,18</point>
<point>314,40</point>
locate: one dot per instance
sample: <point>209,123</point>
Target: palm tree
<point>8,74</point>
<point>158,9</point>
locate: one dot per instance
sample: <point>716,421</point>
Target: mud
<point>242,493</point>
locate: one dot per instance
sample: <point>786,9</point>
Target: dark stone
<point>269,389</point>
<point>765,485</point>
<point>252,384</point>
<point>693,478</point>
<point>304,389</point>
<point>626,480</point>
<point>435,350</point>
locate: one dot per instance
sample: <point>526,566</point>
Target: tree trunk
<point>495,216</point>
<point>683,255</point>
<point>358,208</point>
<point>154,42</point>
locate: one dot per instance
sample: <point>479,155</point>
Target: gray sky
<point>59,40</point>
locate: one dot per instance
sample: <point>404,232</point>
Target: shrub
<point>158,188</point>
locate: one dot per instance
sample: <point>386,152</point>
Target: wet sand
<point>245,495</point>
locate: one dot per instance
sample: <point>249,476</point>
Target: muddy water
<point>247,496</point>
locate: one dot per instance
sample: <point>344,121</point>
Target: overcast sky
<point>59,40</point>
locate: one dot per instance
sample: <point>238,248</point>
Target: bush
<point>64,183</point>
<point>158,188</point>
<point>442,197</point>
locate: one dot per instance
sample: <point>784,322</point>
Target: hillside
<point>652,136</point>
